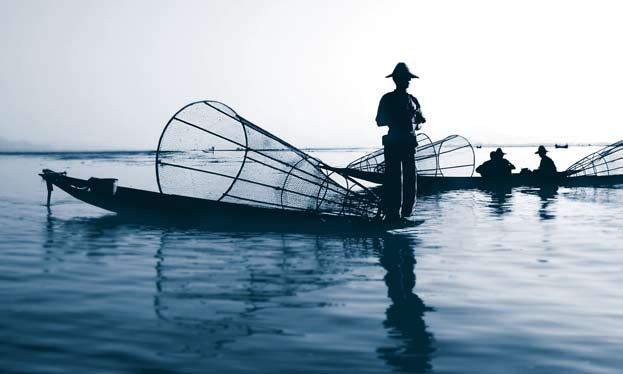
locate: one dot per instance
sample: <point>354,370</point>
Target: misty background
<point>109,75</point>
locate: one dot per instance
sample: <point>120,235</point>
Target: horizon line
<point>327,148</point>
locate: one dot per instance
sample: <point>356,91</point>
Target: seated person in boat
<point>497,167</point>
<point>485,168</point>
<point>547,168</point>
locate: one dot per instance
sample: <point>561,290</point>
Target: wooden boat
<point>430,185</point>
<point>168,208</point>
<point>270,184</point>
<point>452,169</point>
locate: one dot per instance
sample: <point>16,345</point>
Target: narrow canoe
<point>429,185</point>
<point>156,206</point>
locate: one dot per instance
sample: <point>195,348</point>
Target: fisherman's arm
<point>382,113</point>
<point>419,117</point>
<point>553,166</point>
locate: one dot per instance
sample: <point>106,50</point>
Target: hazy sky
<point>111,73</point>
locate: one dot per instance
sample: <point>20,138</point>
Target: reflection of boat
<point>104,193</point>
<point>427,185</point>
<point>561,145</point>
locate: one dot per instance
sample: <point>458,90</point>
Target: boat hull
<point>430,185</point>
<point>156,206</point>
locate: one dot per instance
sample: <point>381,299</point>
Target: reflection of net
<point>606,161</point>
<point>451,156</point>
<point>208,151</point>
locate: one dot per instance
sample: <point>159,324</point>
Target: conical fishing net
<point>375,161</point>
<point>208,151</point>
<point>451,156</point>
<point>606,161</point>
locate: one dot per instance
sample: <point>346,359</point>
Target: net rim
<point>164,130</point>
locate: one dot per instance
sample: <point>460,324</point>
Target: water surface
<point>519,281</point>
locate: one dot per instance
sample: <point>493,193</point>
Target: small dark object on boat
<point>102,186</point>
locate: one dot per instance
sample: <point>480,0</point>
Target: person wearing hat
<point>485,169</point>
<point>547,168</point>
<point>400,111</point>
<point>497,167</point>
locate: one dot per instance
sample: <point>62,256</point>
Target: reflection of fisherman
<point>547,168</point>
<point>405,316</point>
<point>400,111</point>
<point>497,167</point>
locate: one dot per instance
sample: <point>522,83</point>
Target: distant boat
<point>478,146</point>
<point>561,145</point>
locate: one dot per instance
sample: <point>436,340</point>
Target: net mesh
<point>451,156</point>
<point>606,161</point>
<point>207,151</point>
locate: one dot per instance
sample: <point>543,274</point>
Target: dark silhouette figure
<point>485,168</point>
<point>405,316</point>
<point>400,111</point>
<point>547,168</point>
<point>497,167</point>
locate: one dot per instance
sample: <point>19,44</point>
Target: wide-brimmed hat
<point>499,151</point>
<point>540,150</point>
<point>402,70</point>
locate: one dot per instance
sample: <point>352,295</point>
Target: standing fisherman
<point>400,111</point>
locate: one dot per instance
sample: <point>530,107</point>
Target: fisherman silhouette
<point>547,168</point>
<point>497,167</point>
<point>400,111</point>
<point>485,168</point>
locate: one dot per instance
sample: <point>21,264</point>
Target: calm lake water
<point>523,282</point>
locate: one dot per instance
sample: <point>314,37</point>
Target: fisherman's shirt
<point>400,111</point>
<point>547,166</point>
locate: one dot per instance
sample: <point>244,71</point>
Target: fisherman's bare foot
<point>391,218</point>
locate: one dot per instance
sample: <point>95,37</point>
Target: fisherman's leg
<point>391,187</point>
<point>408,181</point>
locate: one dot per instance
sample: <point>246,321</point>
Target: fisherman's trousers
<point>399,180</point>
